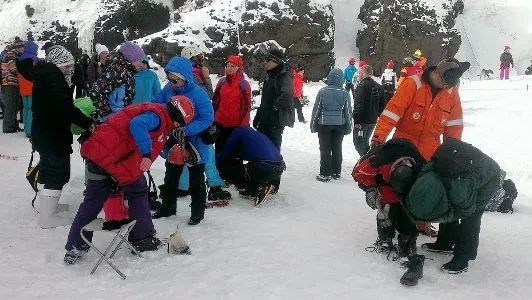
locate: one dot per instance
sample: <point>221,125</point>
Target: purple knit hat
<point>132,52</point>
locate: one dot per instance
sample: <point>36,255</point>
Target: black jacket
<point>368,102</point>
<point>53,111</point>
<point>277,102</point>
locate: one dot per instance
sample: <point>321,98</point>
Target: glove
<point>84,137</point>
<point>374,144</point>
<point>372,198</point>
<point>176,136</point>
<point>427,229</point>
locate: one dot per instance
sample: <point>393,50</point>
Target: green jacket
<point>434,198</point>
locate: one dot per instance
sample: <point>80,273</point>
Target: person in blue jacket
<point>265,163</point>
<point>349,74</point>
<point>147,84</point>
<point>181,82</point>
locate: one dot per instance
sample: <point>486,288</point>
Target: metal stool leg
<point>103,255</point>
<point>124,239</point>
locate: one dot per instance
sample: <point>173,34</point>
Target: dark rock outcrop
<point>394,29</point>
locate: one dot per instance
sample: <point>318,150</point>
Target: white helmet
<point>191,51</point>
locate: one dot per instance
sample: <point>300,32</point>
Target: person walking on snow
<point>507,61</point>
<point>298,74</point>
<point>179,72</point>
<point>53,113</point>
<point>349,75</point>
<point>25,65</point>
<point>331,119</point>
<point>368,104</point>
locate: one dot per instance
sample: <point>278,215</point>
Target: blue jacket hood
<point>182,66</point>
<point>335,77</point>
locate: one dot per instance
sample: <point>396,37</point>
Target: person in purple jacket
<point>265,163</point>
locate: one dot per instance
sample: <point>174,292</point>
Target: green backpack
<point>87,108</point>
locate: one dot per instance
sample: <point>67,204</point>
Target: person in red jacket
<point>119,151</point>
<point>231,100</point>
<point>298,74</point>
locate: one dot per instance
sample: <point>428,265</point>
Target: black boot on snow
<point>151,243</point>
<point>194,220</point>
<point>406,245</point>
<point>163,212</point>
<point>415,270</point>
<point>216,193</point>
<point>437,248</point>
<point>455,266</point>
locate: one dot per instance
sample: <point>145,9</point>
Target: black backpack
<point>454,158</point>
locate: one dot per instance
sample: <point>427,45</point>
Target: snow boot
<point>48,218</point>
<point>323,178</point>
<point>437,248</point>
<point>455,266</point>
<point>336,176</point>
<point>177,245</point>
<point>263,194</point>
<point>61,207</point>
<point>217,193</point>
<point>194,221</point>
<point>75,255</point>
<point>406,245</point>
<point>415,270</point>
<point>249,193</point>
<point>151,243</point>
<point>510,193</point>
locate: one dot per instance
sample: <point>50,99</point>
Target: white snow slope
<point>307,242</point>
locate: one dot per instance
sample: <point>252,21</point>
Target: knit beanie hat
<point>236,60</point>
<point>451,71</point>
<point>275,55</point>
<point>390,64</point>
<point>132,52</point>
<point>59,56</point>
<point>101,48</point>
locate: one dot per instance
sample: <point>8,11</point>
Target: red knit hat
<point>351,60</point>
<point>181,109</point>
<point>236,60</point>
<point>362,63</point>
<point>390,64</point>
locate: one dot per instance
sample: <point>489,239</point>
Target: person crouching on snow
<point>264,168</point>
<point>53,113</point>
<point>122,149</point>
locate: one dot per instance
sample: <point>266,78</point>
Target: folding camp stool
<point>119,239</point>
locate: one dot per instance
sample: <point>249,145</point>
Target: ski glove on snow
<point>372,198</point>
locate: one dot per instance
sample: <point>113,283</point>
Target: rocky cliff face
<point>304,29</point>
<point>394,29</point>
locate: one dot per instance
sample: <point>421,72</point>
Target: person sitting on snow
<point>133,139</point>
<point>265,163</point>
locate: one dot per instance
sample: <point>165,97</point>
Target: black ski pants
<point>54,170</point>
<point>197,188</point>
<point>299,109</point>
<point>331,137</point>
<point>275,135</point>
<point>463,234</point>
<point>361,138</point>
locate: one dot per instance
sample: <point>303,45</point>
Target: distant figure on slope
<point>298,74</point>
<point>349,75</point>
<point>529,70</point>
<point>388,81</point>
<point>506,61</point>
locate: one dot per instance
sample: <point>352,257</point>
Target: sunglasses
<point>174,81</point>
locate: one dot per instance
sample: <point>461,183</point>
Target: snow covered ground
<point>307,242</point>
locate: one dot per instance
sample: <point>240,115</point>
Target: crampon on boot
<point>415,270</point>
<point>406,245</point>
<point>217,193</point>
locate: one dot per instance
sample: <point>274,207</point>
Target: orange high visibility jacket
<point>418,118</point>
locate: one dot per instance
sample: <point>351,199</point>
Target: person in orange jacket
<point>419,61</point>
<point>407,70</point>
<point>424,108</point>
